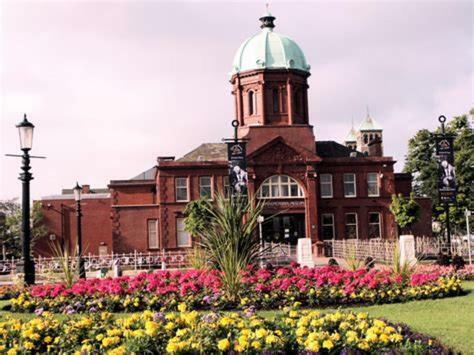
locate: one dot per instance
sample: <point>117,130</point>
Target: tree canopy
<point>422,164</point>
<point>10,233</point>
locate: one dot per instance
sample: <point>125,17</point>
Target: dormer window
<point>276,101</point>
<point>252,103</point>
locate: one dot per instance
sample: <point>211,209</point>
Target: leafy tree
<point>10,234</point>
<point>405,210</point>
<point>421,162</point>
<point>197,216</point>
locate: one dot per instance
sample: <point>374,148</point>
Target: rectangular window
<point>374,225</point>
<point>373,184</point>
<point>181,186</point>
<point>205,186</point>
<point>349,185</point>
<point>326,185</point>
<point>226,186</point>
<point>183,238</point>
<point>351,230</point>
<point>327,224</point>
<point>153,242</point>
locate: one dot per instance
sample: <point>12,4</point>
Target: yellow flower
<point>256,345</point>
<point>12,351</point>
<point>396,338</point>
<point>313,346</point>
<point>271,339</point>
<point>384,338</point>
<point>28,345</point>
<point>363,345</point>
<point>48,339</point>
<point>223,344</point>
<point>182,307</point>
<point>328,344</point>
<point>151,328</point>
<point>351,336</point>
<point>260,333</point>
<point>171,347</point>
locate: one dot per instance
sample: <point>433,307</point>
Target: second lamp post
<point>80,261</point>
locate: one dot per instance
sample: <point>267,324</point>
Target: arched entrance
<point>284,203</point>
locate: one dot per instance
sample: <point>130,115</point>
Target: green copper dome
<point>269,50</point>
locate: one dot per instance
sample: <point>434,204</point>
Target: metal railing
<point>174,259</point>
<point>380,250</point>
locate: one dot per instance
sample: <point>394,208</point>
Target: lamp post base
<point>28,270</point>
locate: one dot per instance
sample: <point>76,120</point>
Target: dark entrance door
<point>284,228</point>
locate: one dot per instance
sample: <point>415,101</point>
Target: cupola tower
<point>269,81</point>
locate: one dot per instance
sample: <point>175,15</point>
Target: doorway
<point>284,228</point>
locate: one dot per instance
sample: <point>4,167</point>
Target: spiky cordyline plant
<point>230,242</point>
<point>65,257</point>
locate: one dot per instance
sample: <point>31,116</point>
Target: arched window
<point>280,186</point>
<point>371,138</point>
<point>276,101</point>
<point>296,101</point>
<point>252,103</point>
<point>366,139</point>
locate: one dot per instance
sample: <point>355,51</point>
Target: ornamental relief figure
<point>279,153</point>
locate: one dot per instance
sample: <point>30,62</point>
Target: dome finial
<point>267,19</point>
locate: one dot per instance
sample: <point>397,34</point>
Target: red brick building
<point>322,189</point>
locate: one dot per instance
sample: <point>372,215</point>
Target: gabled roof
<point>331,149</point>
<point>369,124</point>
<point>206,152</point>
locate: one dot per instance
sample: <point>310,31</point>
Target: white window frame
<point>330,183</point>
<point>176,188</point>
<point>326,225</point>
<point>211,186</point>
<point>278,184</point>
<point>356,223</point>
<point>369,182</point>
<point>379,224</point>
<point>182,231</point>
<point>152,228</point>
<point>354,183</point>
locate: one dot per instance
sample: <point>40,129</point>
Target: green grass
<point>451,320</point>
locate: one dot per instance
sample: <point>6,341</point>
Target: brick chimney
<point>375,147</point>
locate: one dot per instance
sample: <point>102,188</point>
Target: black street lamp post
<point>25,129</point>
<point>80,261</point>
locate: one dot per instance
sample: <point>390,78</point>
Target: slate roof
<point>207,152</point>
<point>331,149</point>
<point>218,151</point>
<point>146,175</point>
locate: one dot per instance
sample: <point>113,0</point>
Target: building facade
<point>319,189</point>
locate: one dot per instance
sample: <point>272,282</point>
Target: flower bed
<point>262,289</point>
<point>192,332</point>
<point>466,273</point>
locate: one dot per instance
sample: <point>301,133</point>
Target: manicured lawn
<point>451,320</point>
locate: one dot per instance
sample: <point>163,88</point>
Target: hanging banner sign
<point>446,171</point>
<point>238,177</point>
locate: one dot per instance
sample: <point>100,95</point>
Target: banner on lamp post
<point>446,171</point>
<point>238,177</point>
